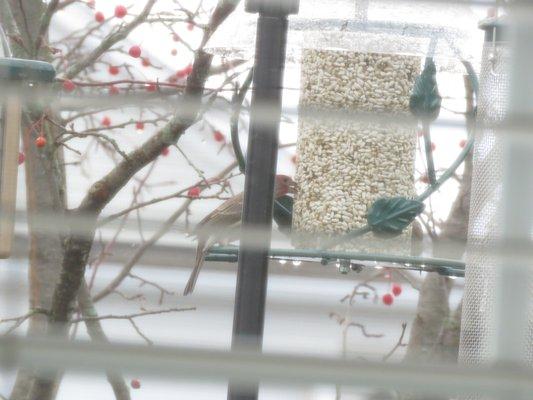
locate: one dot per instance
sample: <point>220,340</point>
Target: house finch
<point>220,225</point>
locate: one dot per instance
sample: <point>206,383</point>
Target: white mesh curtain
<point>478,328</point>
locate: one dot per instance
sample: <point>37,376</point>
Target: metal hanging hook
<point>493,56</point>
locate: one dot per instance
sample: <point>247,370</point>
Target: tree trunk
<point>434,330</point>
<point>45,194</point>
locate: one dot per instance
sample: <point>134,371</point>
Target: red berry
<point>165,152</point>
<point>139,125</point>
<point>174,52</point>
<point>190,26</point>
<point>151,87</point>
<point>194,192</point>
<point>462,143</point>
<point>387,299</point>
<point>135,51</point>
<point>106,121</point>
<point>113,70</point>
<point>113,90</point>
<point>145,62</point>
<point>396,289</point>
<point>120,11</point>
<point>40,142</point>
<point>68,85</point>
<point>22,158</point>
<point>99,16</point>
<point>175,37</point>
<point>219,136</point>
<point>433,146</point>
<point>424,179</point>
<point>135,383</point>
<point>90,3</point>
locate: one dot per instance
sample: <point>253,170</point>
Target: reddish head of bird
<point>284,185</point>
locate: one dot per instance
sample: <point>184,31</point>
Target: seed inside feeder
<point>356,144</point>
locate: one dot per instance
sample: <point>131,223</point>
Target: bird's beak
<point>293,188</point>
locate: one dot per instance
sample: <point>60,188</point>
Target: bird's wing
<point>220,223</point>
<point>226,215</point>
<point>203,246</point>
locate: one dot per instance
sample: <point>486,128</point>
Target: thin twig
<point>110,41</point>
<point>18,321</point>
<point>344,322</point>
<point>398,344</point>
<point>97,334</point>
<point>161,289</point>
<point>130,298</point>
<point>141,334</point>
<point>45,23</point>
<point>131,316</point>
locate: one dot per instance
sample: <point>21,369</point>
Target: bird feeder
<point>356,124</point>
<point>16,76</point>
<point>357,137</point>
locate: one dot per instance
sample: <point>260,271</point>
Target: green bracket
<point>16,69</point>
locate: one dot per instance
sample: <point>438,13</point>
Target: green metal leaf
<point>283,213</point>
<point>390,216</point>
<point>425,99</point>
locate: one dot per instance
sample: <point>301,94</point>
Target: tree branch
<point>131,316</point>
<point>110,41</point>
<point>45,23</point>
<point>77,246</point>
<point>97,334</point>
<point>398,344</point>
<point>222,11</point>
<point>10,25</point>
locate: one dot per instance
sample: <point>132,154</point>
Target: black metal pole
<point>261,163</point>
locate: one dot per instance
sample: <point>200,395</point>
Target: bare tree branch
<point>97,334</point>
<point>110,41</point>
<point>45,24</point>
<point>222,11</point>
<point>398,344</point>
<point>10,25</point>
<point>131,316</point>
<point>18,321</point>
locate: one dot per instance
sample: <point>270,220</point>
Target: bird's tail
<point>201,249</point>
